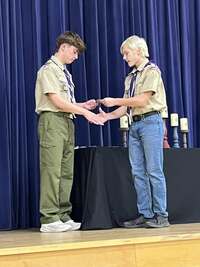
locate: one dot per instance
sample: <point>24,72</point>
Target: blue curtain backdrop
<point>28,30</point>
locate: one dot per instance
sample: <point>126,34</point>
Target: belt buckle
<point>137,118</point>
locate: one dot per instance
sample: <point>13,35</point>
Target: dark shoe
<point>158,222</point>
<point>139,222</point>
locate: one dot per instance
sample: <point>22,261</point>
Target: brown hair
<point>71,38</point>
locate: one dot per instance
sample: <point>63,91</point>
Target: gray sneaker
<point>158,222</point>
<point>139,222</point>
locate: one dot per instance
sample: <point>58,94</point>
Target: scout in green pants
<point>56,106</point>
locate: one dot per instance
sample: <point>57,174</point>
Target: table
<point>103,194</point>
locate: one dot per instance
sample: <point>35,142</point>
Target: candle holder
<point>124,134</point>
<point>185,145</point>
<point>124,128</point>
<point>184,131</point>
<point>174,124</point>
<point>175,137</point>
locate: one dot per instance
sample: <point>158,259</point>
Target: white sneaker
<point>74,225</point>
<point>55,227</point>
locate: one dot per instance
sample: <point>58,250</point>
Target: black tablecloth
<point>103,194</point>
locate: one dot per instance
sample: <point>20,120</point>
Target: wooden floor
<point>177,246</point>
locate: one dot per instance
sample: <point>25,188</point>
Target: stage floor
<point>31,240</point>
<point>176,246</point>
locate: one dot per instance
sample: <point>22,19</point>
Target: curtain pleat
<point>28,30</point>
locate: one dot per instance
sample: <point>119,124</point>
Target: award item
<point>98,101</point>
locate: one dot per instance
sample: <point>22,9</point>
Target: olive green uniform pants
<point>56,135</point>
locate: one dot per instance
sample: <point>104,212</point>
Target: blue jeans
<point>146,158</point>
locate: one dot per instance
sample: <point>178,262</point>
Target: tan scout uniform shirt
<point>51,79</point>
<point>148,79</point>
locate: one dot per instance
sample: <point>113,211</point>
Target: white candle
<point>184,124</point>
<point>174,119</point>
<point>124,122</point>
<point>164,113</point>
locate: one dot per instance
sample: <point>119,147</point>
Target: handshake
<point>101,117</point>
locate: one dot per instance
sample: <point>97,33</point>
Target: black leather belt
<point>142,116</point>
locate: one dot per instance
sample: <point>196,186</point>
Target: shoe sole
<point>156,226</point>
<point>135,226</point>
<point>73,227</point>
<point>50,231</point>
<point>54,231</point>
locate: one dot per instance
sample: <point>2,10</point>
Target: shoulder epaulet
<point>152,66</point>
<point>47,65</point>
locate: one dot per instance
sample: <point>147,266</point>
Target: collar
<point>57,61</point>
<point>141,66</point>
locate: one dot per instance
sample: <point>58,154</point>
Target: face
<point>69,53</point>
<point>132,56</point>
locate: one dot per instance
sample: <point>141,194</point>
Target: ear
<point>62,47</point>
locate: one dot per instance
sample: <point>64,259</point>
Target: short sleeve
<point>151,81</point>
<point>48,81</point>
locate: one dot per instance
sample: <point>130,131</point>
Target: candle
<point>164,113</point>
<point>174,119</point>
<point>124,122</point>
<point>184,124</point>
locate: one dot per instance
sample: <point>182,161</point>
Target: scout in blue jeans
<point>145,101</point>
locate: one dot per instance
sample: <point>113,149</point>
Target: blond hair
<point>135,41</point>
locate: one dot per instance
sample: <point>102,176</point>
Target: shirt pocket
<point>63,83</point>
